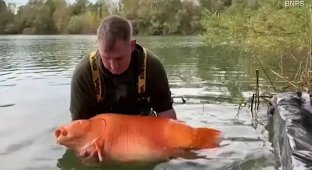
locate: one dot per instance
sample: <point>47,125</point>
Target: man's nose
<point>60,132</point>
<point>114,65</point>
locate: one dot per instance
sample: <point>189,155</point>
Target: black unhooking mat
<point>290,129</point>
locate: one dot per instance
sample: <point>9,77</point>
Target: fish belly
<point>139,148</point>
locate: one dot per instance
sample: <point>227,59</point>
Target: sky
<point>23,2</point>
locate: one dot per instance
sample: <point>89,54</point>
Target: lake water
<point>35,73</point>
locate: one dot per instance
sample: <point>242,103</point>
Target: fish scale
<point>135,138</point>
<point>129,140</point>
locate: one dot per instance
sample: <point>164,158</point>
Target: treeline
<point>262,24</point>
<point>261,27</point>
<point>152,17</point>
<point>271,30</point>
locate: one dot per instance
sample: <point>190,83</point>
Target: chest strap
<point>142,75</point>
<point>97,81</point>
<point>95,76</point>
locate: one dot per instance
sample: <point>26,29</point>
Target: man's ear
<point>132,43</point>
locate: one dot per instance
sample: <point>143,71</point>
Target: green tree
<point>34,18</point>
<point>80,7</point>
<point>152,17</point>
<point>162,16</point>
<point>60,15</point>
<point>258,27</point>
<point>6,16</point>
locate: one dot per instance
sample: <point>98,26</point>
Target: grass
<point>302,81</point>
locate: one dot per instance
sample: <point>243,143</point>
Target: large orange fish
<point>124,138</point>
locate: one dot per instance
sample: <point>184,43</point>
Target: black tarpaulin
<point>290,129</point>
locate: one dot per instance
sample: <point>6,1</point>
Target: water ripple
<point>6,85</point>
<point>7,105</point>
<point>36,71</point>
<point>16,147</point>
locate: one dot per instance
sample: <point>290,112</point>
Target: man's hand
<point>168,113</point>
<point>89,158</point>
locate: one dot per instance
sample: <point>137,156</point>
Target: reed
<point>302,81</point>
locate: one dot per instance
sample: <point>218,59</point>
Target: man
<point>120,77</point>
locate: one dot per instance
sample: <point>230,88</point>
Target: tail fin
<point>206,138</point>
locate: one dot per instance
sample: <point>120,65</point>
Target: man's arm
<point>82,98</point>
<point>161,99</point>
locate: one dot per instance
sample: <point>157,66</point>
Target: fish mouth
<point>60,134</point>
<point>57,133</point>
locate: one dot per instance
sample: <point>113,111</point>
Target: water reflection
<point>70,161</point>
<point>221,72</point>
<point>218,72</point>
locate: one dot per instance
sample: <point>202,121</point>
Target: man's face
<point>118,59</point>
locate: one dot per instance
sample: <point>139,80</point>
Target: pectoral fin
<point>99,150</point>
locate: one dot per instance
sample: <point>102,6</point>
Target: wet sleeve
<point>82,98</point>
<point>161,99</point>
